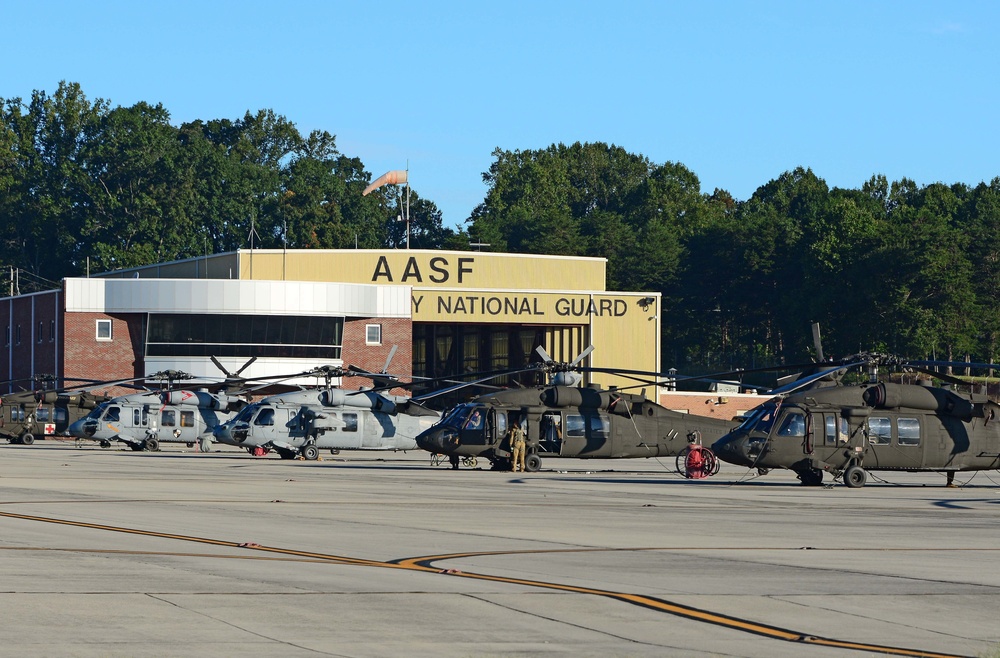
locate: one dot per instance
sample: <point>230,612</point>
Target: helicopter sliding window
<point>879,431</point>
<point>599,426</point>
<point>832,434</point>
<point>168,418</point>
<point>908,431</point>
<point>574,425</point>
<point>59,415</point>
<point>42,414</point>
<point>350,422</point>
<point>187,419</point>
<point>140,417</point>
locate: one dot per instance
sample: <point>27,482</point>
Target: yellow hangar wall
<point>565,294</point>
<point>424,268</point>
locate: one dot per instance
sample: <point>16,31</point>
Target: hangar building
<point>445,312</point>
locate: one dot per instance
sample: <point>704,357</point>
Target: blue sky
<point>738,92</point>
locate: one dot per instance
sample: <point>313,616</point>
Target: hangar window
<point>103,329</point>
<point>373,334</point>
<point>244,336</point>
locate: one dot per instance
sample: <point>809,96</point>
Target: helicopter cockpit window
<point>350,422</point>
<point>265,417</point>
<point>168,418</point>
<point>879,431</point>
<point>793,424</point>
<point>908,431</point>
<point>112,414</point>
<point>476,420</point>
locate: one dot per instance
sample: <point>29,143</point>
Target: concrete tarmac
<point>178,553</point>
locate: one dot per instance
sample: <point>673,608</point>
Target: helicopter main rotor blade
<point>583,355</point>
<point>388,360</point>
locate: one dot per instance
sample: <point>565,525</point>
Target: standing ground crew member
<point>517,446</point>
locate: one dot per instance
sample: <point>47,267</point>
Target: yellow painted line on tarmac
<point>425,564</point>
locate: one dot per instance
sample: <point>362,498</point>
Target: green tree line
<point>891,266</point>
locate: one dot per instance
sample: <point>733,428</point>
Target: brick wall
<point>715,405</point>
<point>89,358</point>
<point>31,341</point>
<point>395,331</point>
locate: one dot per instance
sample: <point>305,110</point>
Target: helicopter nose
<point>734,449</point>
<point>84,428</point>
<point>437,440</point>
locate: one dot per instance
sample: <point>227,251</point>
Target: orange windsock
<point>395,177</point>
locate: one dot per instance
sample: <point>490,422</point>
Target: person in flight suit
<point>517,444</point>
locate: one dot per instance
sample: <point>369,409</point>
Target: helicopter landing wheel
<point>532,463</point>
<point>258,451</point>
<point>470,462</point>
<point>105,444</point>
<point>310,452</point>
<point>855,476</point>
<point>136,447</point>
<point>28,439</point>
<point>811,477</point>
<point>151,445</point>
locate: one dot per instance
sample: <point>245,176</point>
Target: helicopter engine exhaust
<point>201,399</point>
<point>887,395</point>
<point>564,396</point>
<point>336,397</point>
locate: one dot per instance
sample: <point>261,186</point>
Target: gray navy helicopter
<point>145,419</point>
<point>562,419</point>
<point>303,422</point>
<point>816,425</point>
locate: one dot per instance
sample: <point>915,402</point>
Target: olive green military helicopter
<point>46,411</point>
<point>563,420</point>
<point>817,425</point>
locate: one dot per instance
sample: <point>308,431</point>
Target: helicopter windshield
<point>760,420</point>
<point>246,413</point>
<point>98,410</point>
